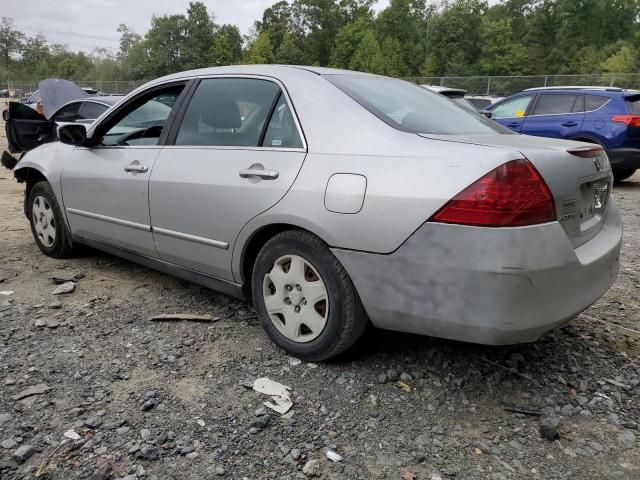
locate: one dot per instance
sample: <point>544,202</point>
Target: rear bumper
<point>481,285</point>
<point>624,158</point>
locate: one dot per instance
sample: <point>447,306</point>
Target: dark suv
<point>609,117</point>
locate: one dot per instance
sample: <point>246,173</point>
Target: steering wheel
<point>149,132</point>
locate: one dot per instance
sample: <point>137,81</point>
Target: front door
<point>235,154</point>
<point>106,187</point>
<point>511,113</point>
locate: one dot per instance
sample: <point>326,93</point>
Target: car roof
<point>609,91</point>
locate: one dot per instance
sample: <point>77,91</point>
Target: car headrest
<point>223,114</point>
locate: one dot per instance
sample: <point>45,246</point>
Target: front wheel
<point>47,223</point>
<point>620,174</point>
<point>305,298</point>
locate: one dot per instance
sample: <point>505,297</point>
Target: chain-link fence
<point>17,88</point>
<point>495,86</point>
<point>502,86</point>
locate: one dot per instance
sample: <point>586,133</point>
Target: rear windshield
<point>411,108</point>
<point>634,104</point>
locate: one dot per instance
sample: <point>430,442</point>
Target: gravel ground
<point>173,400</point>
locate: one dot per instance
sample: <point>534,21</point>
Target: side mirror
<point>73,134</point>
<point>486,113</point>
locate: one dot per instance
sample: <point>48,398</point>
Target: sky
<point>86,24</point>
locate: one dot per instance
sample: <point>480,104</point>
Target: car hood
<point>55,92</point>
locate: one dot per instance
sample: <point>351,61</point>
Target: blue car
<point>609,117</point>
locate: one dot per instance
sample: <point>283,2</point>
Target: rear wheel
<point>620,174</point>
<point>47,224</point>
<point>305,298</point>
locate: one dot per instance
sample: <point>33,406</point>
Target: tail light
<point>628,120</point>
<point>512,195</point>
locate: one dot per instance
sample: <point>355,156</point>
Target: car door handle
<point>135,168</point>
<point>569,124</point>
<point>259,172</point>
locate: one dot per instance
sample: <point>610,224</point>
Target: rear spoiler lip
<point>586,152</point>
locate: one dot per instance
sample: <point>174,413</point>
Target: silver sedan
<point>332,199</point>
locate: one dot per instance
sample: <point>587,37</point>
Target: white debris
<point>294,362</point>
<point>333,456</point>
<point>72,434</point>
<point>200,422</point>
<point>6,292</point>
<point>280,397</point>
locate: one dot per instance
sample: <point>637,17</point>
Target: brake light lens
<point>629,120</point>
<point>512,195</point>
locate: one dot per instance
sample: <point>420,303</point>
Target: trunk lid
<point>581,186</point>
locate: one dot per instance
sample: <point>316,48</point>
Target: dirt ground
<point>172,400</point>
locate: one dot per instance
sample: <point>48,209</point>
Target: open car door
<point>26,129</point>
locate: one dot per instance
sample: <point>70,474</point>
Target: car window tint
<point>512,108</point>
<point>142,122</point>
<point>411,108</point>
<point>227,112</point>
<point>282,130</point>
<point>633,103</point>
<point>578,105</point>
<point>551,104</point>
<point>91,111</point>
<point>594,102</point>
<point>67,114</point>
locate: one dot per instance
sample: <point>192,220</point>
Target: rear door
<point>555,115</point>
<point>511,112</point>
<point>235,153</point>
<point>26,129</point>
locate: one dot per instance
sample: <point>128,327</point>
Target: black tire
<point>346,318</point>
<point>620,174</point>
<point>62,246</point>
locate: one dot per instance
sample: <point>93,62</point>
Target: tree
<point>128,39</point>
<point>393,59</point>
<point>500,53</point>
<point>227,46</point>
<point>164,43</point>
<point>625,60</point>
<point>276,22</point>
<point>288,53</point>
<point>261,51</point>
<point>368,56</point>
<point>10,41</point>
<point>347,41</point>
<point>198,37</point>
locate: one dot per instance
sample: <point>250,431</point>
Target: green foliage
<point>261,51</point>
<point>368,55</point>
<point>407,38</point>
<point>227,46</point>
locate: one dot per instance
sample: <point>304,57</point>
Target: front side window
<point>515,108</point>
<point>556,104</point>
<point>228,112</point>
<point>67,114</point>
<point>411,108</point>
<point>143,121</point>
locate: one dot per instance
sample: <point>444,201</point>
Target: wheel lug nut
<point>289,288</point>
<point>304,301</point>
<point>297,309</point>
<point>299,288</point>
<point>287,300</point>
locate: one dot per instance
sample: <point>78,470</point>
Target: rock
<point>192,455</point>
<point>93,422</point>
<point>392,375</point>
<point>122,430</point>
<point>148,405</point>
<point>626,439</point>
<point>103,469</point>
<point>149,452</point>
<point>23,453</point>
<point>52,323</point>
<point>261,422</point>
<point>8,444</point>
<point>66,287</point>
<point>382,378</point>
<point>220,471</point>
<point>40,322</point>
<point>406,377</point>
<point>4,418</point>
<point>35,390</point>
<point>55,305</point>
<point>549,427</point>
<point>145,434</point>
<point>311,468</point>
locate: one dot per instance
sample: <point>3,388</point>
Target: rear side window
<point>633,103</point>
<point>282,131</point>
<point>594,102</point>
<point>67,114</point>
<point>557,104</point>
<point>228,112</point>
<point>91,111</point>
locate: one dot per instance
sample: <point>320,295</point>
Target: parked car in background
<point>457,95</point>
<point>482,102</point>
<point>26,129</point>
<point>609,117</point>
<point>370,200</point>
